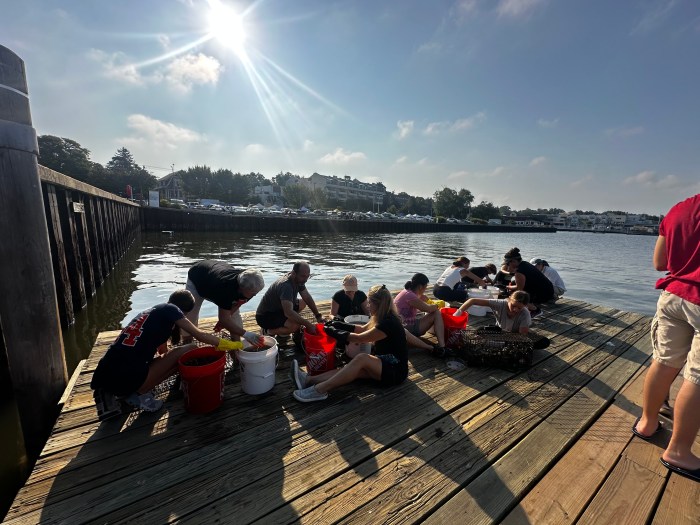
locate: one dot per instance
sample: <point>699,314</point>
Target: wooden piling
<point>28,306</point>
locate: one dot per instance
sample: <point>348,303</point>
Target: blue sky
<point>583,104</point>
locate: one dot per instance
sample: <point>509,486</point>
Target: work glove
<point>226,345</point>
<point>340,325</point>
<point>254,339</point>
<point>339,335</point>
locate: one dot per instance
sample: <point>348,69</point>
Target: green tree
<point>317,198</point>
<point>124,171</point>
<point>450,203</point>
<point>485,210</point>
<point>295,195</point>
<point>65,156</point>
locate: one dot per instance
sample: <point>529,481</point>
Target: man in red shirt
<point>675,333</point>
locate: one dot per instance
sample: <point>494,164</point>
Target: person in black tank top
<point>528,278</point>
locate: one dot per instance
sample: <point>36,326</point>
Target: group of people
<point>139,358</point>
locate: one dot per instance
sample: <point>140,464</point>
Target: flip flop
<point>642,436</point>
<point>692,474</point>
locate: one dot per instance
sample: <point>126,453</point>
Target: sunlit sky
<point>588,104</point>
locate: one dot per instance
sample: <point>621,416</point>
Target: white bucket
<point>352,349</point>
<point>480,293</point>
<point>258,368</point>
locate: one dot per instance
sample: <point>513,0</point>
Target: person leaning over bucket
<point>130,369</point>
<point>390,364</point>
<point>349,300</point>
<point>449,286</point>
<point>511,314</point>
<point>228,288</point>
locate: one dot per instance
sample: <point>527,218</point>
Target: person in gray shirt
<point>278,311</point>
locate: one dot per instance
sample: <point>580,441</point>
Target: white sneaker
<point>309,394</point>
<point>297,376</point>
<point>144,402</point>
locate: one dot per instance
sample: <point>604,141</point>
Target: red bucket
<point>203,385</point>
<point>452,323</point>
<point>320,351</point>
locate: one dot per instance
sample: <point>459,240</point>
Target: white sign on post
<point>154,199</point>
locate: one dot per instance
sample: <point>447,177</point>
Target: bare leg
<point>656,386</point>
<point>434,319</point>
<point>163,367</point>
<point>686,424</point>
<point>361,366</point>
<point>417,342</point>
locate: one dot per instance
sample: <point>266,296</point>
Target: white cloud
<point>342,157</point>
<point>624,132</point>
<point>115,66</point>
<point>650,179</point>
<point>405,128</point>
<point>183,72</point>
<point>497,171</point>
<point>308,144</point>
<point>423,161</point>
<point>458,175</point>
<point>255,149</point>
<point>435,128</point>
<point>544,123</point>
<point>537,161</point>
<point>517,8</point>
<point>430,47</point>
<point>401,160</point>
<point>654,16</point>
<point>581,182</point>
<point>159,133</point>
<point>164,41</point>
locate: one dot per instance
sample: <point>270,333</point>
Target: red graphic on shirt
<point>134,330</point>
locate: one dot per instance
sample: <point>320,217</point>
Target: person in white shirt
<point>551,274</point>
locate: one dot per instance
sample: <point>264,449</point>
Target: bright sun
<point>226,26</point>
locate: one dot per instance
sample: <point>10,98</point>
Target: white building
<point>346,188</point>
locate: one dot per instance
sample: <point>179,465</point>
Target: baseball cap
<point>536,261</point>
<point>350,283</point>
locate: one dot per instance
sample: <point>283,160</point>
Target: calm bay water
<point>607,269</point>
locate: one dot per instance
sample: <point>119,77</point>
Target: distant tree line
<point>70,158</point>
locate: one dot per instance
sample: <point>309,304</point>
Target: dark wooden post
<point>28,308</point>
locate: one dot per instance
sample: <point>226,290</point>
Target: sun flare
<point>226,26</point>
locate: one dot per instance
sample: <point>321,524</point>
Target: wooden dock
<point>552,444</point>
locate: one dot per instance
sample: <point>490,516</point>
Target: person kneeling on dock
<point>389,366</point>
<point>130,367</point>
<point>278,311</point>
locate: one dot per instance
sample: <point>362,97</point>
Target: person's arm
<point>311,304</point>
<point>369,336</point>
<point>289,313</point>
<point>519,282</point>
<point>466,273</point>
<point>660,258</point>
<point>334,308</point>
<point>421,305</point>
<point>210,339</point>
<point>471,302</point>
<point>226,321</point>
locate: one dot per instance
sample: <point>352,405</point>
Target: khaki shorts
<point>675,335</point>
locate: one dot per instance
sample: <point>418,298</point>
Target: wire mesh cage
<point>489,346</point>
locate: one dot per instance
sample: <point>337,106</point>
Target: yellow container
<point>438,302</point>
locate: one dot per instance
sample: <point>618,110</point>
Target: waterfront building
<point>171,187</point>
<point>345,188</point>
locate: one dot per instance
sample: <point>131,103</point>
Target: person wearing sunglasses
<point>228,288</point>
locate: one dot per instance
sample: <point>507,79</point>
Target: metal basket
<point>480,347</point>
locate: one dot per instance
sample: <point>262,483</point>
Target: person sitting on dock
<point>349,300</point>
<point>389,365</point>
<point>480,271</point>
<point>503,278</point>
<point>529,279</point>
<point>551,274</point>
<point>410,301</point>
<point>130,367</point>
<point>675,336</point>
<point>228,288</point>
<point>279,310</point>
<point>449,286</point>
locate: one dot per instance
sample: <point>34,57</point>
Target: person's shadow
<point>170,465</point>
